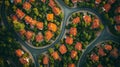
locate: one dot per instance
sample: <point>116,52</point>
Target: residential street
<point>36,51</point>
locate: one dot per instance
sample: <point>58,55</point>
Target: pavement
<point>35,52</point>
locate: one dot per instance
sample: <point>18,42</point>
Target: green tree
<point>18,25</point>
<point>36,11</point>
<point>66,1</point>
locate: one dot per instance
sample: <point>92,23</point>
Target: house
<point>78,46</point>
<point>114,53</point>
<point>14,18</point>
<point>39,25</point>
<point>39,37</point>
<point>96,23</point>
<point>108,47</point>
<point>52,27</point>
<point>45,60</point>
<point>43,1</point>
<point>33,22</point>
<point>111,1</point>
<point>26,6</point>
<point>73,31</point>
<point>117,10</point>
<point>19,52</point>
<point>55,55</point>
<point>73,54</point>
<point>51,3</point>
<point>101,52</point>
<point>80,0</point>
<point>28,19</point>
<point>24,60</point>
<point>50,17</point>
<point>100,65</point>
<point>74,1</point>
<point>94,57</point>
<point>106,7</point>
<point>28,35</point>
<point>62,49</point>
<point>87,19</point>
<point>22,32</point>
<point>71,65</point>
<point>69,40</point>
<point>56,10</point>
<point>17,1</point>
<point>117,19</point>
<point>48,35</point>
<point>76,20</point>
<point>117,27</point>
<point>20,14</point>
<point>97,1</point>
<point>31,1</point>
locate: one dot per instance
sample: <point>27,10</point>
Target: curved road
<point>105,34</point>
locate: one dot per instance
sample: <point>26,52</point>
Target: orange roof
<point>71,65</point>
<point>94,57</point>
<point>96,23</point>
<point>20,14</point>
<point>73,31</point>
<point>43,1</point>
<point>48,35</point>
<point>33,22</point>
<point>51,3</point>
<point>108,47</point>
<point>31,1</point>
<point>19,52</point>
<point>117,19</point>
<point>74,1</point>
<point>76,20</point>
<point>78,46</point>
<point>55,55</point>
<point>117,10</point>
<point>107,7</point>
<point>62,49</point>
<point>28,19</point>
<point>24,60</point>
<point>100,65</point>
<point>39,25</point>
<point>52,27</point>
<point>14,17</point>
<point>45,60</point>
<point>111,1</point>
<point>69,40</point>
<point>56,10</point>
<point>27,6</point>
<point>117,28</point>
<point>97,1</point>
<point>73,54</point>
<point>50,17</point>
<point>29,35</point>
<point>17,1</point>
<point>101,52</point>
<point>87,19</point>
<point>39,37</point>
<point>114,52</point>
<point>22,32</point>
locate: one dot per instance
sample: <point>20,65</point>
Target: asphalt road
<point>105,34</point>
